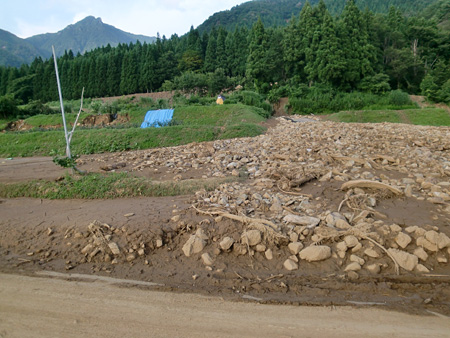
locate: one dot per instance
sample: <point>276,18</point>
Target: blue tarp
<point>157,118</point>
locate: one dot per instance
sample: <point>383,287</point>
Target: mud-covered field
<point>323,213</point>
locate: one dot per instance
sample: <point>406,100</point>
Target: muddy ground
<point>201,243</point>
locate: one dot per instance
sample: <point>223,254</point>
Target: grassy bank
<point>426,116</point>
<point>193,124</point>
<point>113,185</point>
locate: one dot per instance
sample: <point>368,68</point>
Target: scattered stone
<point>114,248</point>
<point>351,241</point>
<point>341,246</point>
<point>354,266</point>
<point>260,248</point>
<point>193,245</point>
<point>357,247</point>
<point>294,258</point>
<point>421,253</point>
<point>129,214</point>
<point>352,275</point>
<point>408,190</point>
<point>131,257</point>
<point>293,237</point>
<point>290,265</point>
<point>315,253</point>
<point>354,258</point>
<point>443,241</point>
<point>403,240</point>
<point>422,268</point>
<point>309,221</point>
<point>295,247</point>
<point>395,228</point>
<point>175,218</point>
<point>269,254</point>
<point>49,231</point>
<point>226,243</point>
<point>406,260</point>
<point>141,252</point>
<point>159,243</point>
<point>342,224</point>
<point>207,259</point>
<point>424,243</point>
<point>432,236</point>
<point>88,248</point>
<point>441,259</point>
<point>370,252</point>
<point>374,268</point>
<point>251,237</point>
<point>411,229</point>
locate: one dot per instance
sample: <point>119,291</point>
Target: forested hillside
<point>279,12</point>
<point>15,51</point>
<point>315,54</point>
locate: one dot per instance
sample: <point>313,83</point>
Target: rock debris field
<point>314,212</point>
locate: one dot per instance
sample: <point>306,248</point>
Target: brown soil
<point>60,236</point>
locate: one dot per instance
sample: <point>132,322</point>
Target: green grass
<point>369,116</point>
<point>426,116</point>
<point>198,124</point>
<point>113,185</point>
<point>429,117</point>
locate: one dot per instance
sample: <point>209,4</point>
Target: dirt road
<point>47,307</point>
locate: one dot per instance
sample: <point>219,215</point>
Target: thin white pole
<point>62,106</point>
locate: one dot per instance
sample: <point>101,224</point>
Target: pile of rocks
<point>345,226</point>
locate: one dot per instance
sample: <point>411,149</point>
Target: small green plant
<point>66,162</point>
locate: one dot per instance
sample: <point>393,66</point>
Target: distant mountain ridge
<point>279,12</point>
<point>82,36</point>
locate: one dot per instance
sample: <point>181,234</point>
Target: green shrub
<point>399,98</point>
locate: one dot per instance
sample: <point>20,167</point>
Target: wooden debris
<point>370,185</point>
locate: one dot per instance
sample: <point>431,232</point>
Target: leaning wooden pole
<point>68,154</point>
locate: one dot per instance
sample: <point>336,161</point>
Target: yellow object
<point>220,99</point>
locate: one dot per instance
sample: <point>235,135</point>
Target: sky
<point>26,18</point>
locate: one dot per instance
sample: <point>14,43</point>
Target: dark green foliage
<point>66,162</point>
<point>399,98</point>
<point>8,106</point>
<point>353,51</point>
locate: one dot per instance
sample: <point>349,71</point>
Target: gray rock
<point>226,243</point>
<point>406,260</point>
<point>351,241</point>
<point>251,237</point>
<point>370,252</point>
<point>290,265</point>
<point>422,268</point>
<point>295,247</point>
<point>269,254</point>
<point>353,266</point>
<point>421,253</point>
<point>207,259</point>
<point>309,221</point>
<point>403,240</point>
<point>193,245</point>
<point>114,248</point>
<point>316,253</point>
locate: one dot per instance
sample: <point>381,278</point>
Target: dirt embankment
<point>329,214</point>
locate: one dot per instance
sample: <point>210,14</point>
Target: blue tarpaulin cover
<point>157,118</point>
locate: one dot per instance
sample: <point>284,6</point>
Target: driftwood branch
<point>371,185</point>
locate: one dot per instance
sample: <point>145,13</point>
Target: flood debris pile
<point>346,198</point>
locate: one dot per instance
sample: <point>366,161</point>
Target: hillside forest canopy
<point>315,55</point>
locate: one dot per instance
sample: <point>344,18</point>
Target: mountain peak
<point>89,19</point>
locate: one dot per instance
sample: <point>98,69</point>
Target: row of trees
<point>355,51</point>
